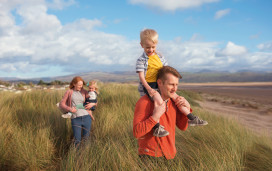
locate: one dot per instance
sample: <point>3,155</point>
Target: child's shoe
<point>160,132</point>
<point>67,115</point>
<point>197,122</point>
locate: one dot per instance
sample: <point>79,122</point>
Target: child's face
<point>149,47</point>
<point>91,88</point>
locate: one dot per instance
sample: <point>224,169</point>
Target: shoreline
<point>249,103</point>
<point>227,84</point>
<point>253,120</point>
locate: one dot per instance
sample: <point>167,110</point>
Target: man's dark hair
<point>167,70</point>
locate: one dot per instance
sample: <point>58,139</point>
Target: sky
<point>47,38</point>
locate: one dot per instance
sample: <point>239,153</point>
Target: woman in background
<point>72,101</point>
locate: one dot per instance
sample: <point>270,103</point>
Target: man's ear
<point>159,82</point>
<point>141,44</point>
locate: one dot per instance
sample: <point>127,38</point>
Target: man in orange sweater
<point>147,114</point>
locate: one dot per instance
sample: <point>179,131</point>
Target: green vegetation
<point>5,83</point>
<point>35,137</point>
<point>55,82</point>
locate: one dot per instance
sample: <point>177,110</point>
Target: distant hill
<point>227,77</point>
<point>205,76</point>
<point>102,76</point>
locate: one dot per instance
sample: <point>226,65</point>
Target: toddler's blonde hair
<point>94,83</point>
<point>149,34</point>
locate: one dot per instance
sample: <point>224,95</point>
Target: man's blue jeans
<point>81,123</point>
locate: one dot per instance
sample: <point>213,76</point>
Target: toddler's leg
<point>193,120</point>
<point>157,98</point>
<point>92,108</point>
<point>91,114</point>
<point>159,130</point>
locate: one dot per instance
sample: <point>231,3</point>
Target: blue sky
<point>40,38</point>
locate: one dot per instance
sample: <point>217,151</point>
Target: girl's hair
<point>76,80</point>
<point>93,83</point>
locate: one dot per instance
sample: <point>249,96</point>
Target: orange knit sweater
<point>143,124</point>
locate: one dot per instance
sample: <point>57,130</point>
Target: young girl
<point>92,98</point>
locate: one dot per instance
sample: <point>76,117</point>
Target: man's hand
<point>181,101</point>
<point>158,111</point>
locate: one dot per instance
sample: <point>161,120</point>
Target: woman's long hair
<point>75,80</point>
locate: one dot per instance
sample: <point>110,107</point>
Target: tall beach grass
<point>35,137</point>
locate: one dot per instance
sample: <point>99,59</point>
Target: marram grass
<point>35,137</point>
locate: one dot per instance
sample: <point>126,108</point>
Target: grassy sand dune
<point>35,137</point>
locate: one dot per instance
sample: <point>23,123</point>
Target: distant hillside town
<point>19,87</point>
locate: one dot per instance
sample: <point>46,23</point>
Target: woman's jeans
<point>81,123</point>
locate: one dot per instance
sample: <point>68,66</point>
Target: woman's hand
<point>73,110</point>
<point>90,105</point>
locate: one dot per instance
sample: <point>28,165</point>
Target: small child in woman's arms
<point>91,98</point>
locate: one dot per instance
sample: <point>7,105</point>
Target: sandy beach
<point>249,103</point>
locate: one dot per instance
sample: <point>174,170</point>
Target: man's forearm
<point>142,128</point>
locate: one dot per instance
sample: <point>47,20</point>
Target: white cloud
<point>60,4</point>
<point>255,36</point>
<point>197,55</point>
<point>259,61</point>
<point>37,21</point>
<point>232,50</point>
<point>41,44</point>
<point>83,25</point>
<point>265,46</point>
<point>41,40</point>
<point>119,20</point>
<point>22,66</point>
<point>221,13</point>
<point>196,37</point>
<point>172,5</point>
<point>190,55</point>
<point>190,20</point>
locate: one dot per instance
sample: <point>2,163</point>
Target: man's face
<point>169,86</point>
<point>149,47</point>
